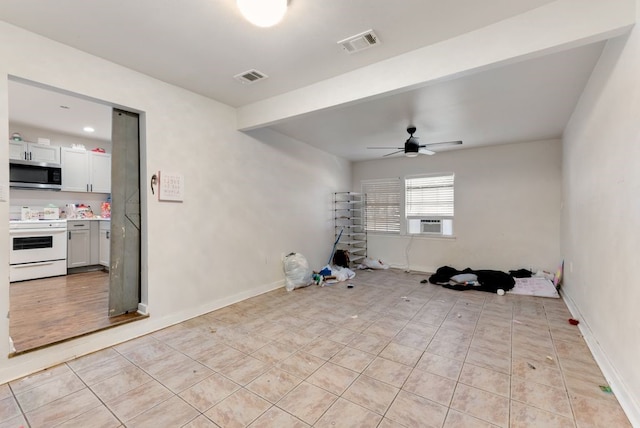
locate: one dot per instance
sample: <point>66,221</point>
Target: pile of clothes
<point>469,279</point>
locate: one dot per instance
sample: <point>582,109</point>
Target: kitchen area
<point>60,161</point>
<point>60,211</point>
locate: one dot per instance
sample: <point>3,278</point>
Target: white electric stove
<point>37,249</point>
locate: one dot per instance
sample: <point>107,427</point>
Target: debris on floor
<point>297,271</point>
<point>370,263</point>
<point>606,389</point>
<point>332,274</point>
<point>535,286</point>
<point>468,279</point>
<point>573,321</point>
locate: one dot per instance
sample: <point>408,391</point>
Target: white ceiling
<point>200,44</point>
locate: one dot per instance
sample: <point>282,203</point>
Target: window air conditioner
<point>433,226</point>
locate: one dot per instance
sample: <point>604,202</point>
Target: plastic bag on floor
<point>297,271</point>
<point>370,263</point>
<point>340,273</point>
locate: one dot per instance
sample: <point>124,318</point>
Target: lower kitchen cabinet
<point>79,243</point>
<point>105,242</point>
<point>89,243</point>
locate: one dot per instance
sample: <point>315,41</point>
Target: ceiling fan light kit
<point>263,13</point>
<point>412,148</point>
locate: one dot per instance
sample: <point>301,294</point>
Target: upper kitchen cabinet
<point>22,150</point>
<point>85,171</point>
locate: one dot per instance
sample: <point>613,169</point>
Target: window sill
<point>413,235</point>
<point>427,236</point>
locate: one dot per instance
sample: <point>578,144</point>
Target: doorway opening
<point>101,285</point>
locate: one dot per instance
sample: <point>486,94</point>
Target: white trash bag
<point>370,263</point>
<point>297,271</point>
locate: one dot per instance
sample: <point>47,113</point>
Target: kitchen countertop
<point>61,219</point>
<point>90,219</point>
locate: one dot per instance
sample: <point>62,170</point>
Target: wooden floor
<point>51,310</point>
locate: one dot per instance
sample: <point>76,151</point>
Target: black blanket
<point>488,280</point>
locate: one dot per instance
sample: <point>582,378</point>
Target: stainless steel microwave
<point>35,175</point>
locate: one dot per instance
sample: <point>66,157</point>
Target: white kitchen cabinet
<point>99,172</point>
<point>75,170</point>
<point>105,242</point>
<point>79,243</point>
<point>21,150</point>
<point>16,150</point>
<point>85,171</point>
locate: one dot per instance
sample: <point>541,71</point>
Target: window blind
<point>429,196</point>
<point>382,205</point>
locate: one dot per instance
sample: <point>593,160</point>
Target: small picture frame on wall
<point>171,187</point>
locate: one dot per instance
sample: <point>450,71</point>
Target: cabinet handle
<point>87,187</point>
<point>26,156</point>
<point>30,155</point>
<point>92,187</point>
<point>69,233</point>
<point>107,234</point>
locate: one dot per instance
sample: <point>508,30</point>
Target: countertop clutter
<point>69,212</point>
<point>82,211</point>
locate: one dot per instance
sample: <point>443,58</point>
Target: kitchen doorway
<point>49,310</point>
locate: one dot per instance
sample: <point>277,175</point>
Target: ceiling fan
<point>412,148</point>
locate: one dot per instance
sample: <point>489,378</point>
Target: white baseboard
<point>142,309</point>
<point>414,268</point>
<point>627,401</point>
<point>26,364</point>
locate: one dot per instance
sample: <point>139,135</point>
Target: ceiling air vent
<point>250,76</point>
<point>360,42</point>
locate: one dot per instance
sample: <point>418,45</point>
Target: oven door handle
<point>26,265</point>
<point>37,231</point>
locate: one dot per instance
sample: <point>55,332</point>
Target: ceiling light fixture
<point>263,13</point>
<point>88,129</point>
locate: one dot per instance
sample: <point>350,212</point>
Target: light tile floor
<point>390,352</point>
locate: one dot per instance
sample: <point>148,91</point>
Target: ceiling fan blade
<point>393,153</point>
<point>444,143</point>
<point>387,148</point>
<point>424,151</point>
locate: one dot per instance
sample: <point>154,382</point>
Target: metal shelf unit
<point>349,218</point>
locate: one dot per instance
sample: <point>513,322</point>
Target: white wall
<point>601,216</point>
<point>507,208</point>
<point>247,202</point>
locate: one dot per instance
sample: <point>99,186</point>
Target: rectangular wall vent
<point>360,42</point>
<point>250,76</point>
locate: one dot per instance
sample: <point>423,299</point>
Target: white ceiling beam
<point>559,25</point>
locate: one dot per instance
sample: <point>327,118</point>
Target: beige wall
<point>601,216</point>
<point>507,208</point>
<point>249,199</point>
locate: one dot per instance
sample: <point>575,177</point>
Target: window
<point>382,205</point>
<point>429,204</point>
